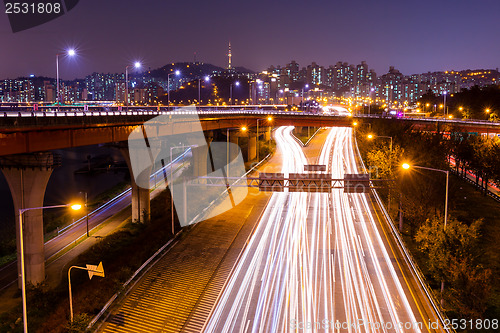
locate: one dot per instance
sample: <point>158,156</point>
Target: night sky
<point>414,36</point>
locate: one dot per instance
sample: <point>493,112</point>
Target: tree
<point>452,258</point>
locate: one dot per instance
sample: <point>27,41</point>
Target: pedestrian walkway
<point>167,294</point>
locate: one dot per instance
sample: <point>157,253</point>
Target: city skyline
<point>414,38</point>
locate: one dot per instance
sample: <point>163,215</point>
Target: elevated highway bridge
<point>27,137</point>
<point>27,131</point>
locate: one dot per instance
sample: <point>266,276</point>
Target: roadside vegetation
<point>464,258</point>
<point>121,253</point>
<point>304,133</point>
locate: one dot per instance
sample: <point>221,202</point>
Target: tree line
<point>450,257</point>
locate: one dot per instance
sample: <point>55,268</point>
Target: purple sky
<point>414,36</point>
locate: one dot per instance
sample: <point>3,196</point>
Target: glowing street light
<point>237,83</point>
<point>21,255</point>
<point>76,207</point>
<point>177,73</point>
<point>137,65</point>
<point>407,166</point>
<point>207,78</point>
<point>371,136</point>
<point>444,94</point>
<point>269,119</point>
<point>70,53</point>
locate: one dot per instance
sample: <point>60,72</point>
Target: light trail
<point>317,260</point>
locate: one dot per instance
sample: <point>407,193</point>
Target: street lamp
<point>371,136</point>
<point>407,166</point>
<point>86,211</point>
<point>93,270</point>
<point>444,94</point>
<point>269,119</point>
<point>207,78</point>
<point>370,100</point>
<point>237,83</point>
<point>137,64</point>
<point>70,53</point>
<point>242,129</point>
<point>21,245</point>
<point>177,73</point>
<point>303,105</point>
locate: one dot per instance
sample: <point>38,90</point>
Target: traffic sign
<point>310,182</point>
<point>314,167</point>
<point>357,183</point>
<point>95,270</point>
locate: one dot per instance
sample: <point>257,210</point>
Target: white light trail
<point>316,259</point>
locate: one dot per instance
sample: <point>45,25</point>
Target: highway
<point>78,229</point>
<point>321,262</point>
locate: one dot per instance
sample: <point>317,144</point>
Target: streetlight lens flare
<point>370,136</point>
<point>406,166</point>
<point>71,52</point>
<point>177,72</point>
<point>207,78</point>
<point>237,83</point>
<point>76,206</point>
<point>269,118</point>
<point>244,128</point>
<point>137,64</point>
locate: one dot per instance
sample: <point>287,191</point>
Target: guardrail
<point>240,109</point>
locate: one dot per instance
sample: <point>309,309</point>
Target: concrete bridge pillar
<point>200,159</point>
<point>233,149</point>
<point>27,176</point>
<point>252,147</point>
<point>267,134</point>
<point>141,205</point>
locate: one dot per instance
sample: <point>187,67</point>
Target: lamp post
<point>302,98</point>
<point>243,129</point>
<point>92,270</point>
<point>406,166</point>
<point>207,78</point>
<point>371,136</point>
<point>21,245</point>
<point>237,83</point>
<point>71,53</point>
<point>87,212</point>
<point>370,100</point>
<point>269,119</point>
<point>177,73</point>
<point>136,65</point>
<point>444,104</point>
